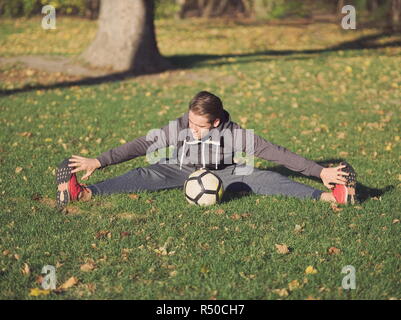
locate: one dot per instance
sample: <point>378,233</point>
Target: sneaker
<point>68,188</point>
<point>346,194</point>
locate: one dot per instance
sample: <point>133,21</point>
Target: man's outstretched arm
<point>280,155</point>
<point>127,151</point>
<point>130,150</point>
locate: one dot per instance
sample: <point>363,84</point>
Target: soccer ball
<point>203,188</point>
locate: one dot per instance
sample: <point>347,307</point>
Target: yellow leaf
<point>294,284</point>
<point>37,292</point>
<point>18,169</point>
<point>389,147</point>
<point>281,292</point>
<point>69,283</point>
<point>310,270</point>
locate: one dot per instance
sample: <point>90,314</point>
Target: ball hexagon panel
<point>207,199</point>
<point>192,188</point>
<point>210,182</point>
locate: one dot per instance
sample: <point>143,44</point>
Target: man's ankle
<point>85,194</point>
<point>328,197</point>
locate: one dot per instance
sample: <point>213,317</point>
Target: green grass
<point>326,106</point>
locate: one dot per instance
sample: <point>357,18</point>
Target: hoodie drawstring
<point>217,144</point>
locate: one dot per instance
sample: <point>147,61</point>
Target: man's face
<point>200,125</point>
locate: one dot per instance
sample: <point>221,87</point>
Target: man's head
<point>205,113</point>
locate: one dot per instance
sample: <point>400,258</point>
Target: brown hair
<point>206,103</point>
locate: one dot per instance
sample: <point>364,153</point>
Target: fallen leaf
<point>35,292</point>
<point>26,270</point>
<point>18,169</point>
<point>220,211</point>
<point>235,216</point>
<point>294,284</point>
<point>299,228</point>
<point>134,196</point>
<point>396,221</point>
<point>282,249</point>
<point>68,284</point>
<point>103,234</point>
<point>310,270</point>
<point>341,135</point>
<point>334,250</point>
<point>281,292</point>
<point>87,267</point>
<point>125,234</point>
<point>25,134</point>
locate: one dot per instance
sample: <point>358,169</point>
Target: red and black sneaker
<point>346,194</point>
<point>68,188</point>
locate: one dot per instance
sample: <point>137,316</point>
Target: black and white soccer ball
<point>203,188</point>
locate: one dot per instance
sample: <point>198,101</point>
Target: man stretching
<point>204,137</point>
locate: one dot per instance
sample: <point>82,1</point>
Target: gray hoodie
<point>214,151</point>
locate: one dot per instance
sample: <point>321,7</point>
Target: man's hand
<point>81,164</point>
<point>333,175</point>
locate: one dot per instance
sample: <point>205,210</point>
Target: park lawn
<point>326,105</point>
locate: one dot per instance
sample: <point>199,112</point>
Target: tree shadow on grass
<point>239,189</point>
<point>179,62</point>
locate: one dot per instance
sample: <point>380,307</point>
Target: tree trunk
<point>340,5</point>
<point>125,40</point>
<point>373,5</point>
<point>92,9</point>
<point>396,14</point>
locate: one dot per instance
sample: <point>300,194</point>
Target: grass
<point>325,105</point>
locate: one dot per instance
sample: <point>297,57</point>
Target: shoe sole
<point>63,175</point>
<point>350,185</point>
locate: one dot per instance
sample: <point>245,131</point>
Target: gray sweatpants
<point>235,178</point>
